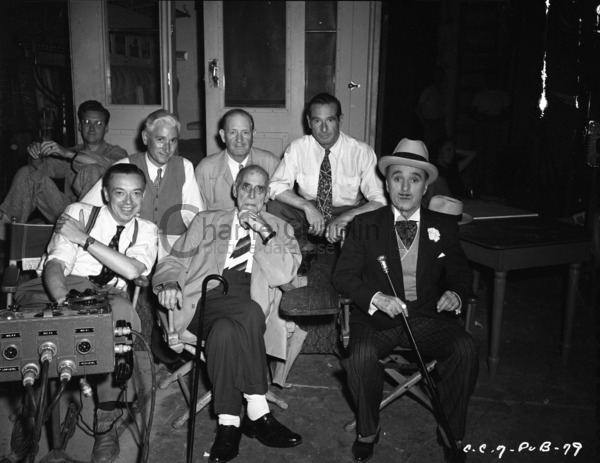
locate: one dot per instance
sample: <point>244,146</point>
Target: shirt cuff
<point>457,310</point>
<point>372,308</point>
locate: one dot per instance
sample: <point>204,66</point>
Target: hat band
<point>411,156</point>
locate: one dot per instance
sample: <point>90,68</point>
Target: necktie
<point>158,179</point>
<point>107,274</point>
<point>407,230</point>
<point>324,188</point>
<point>241,254</point>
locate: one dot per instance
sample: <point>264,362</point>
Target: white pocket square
<point>441,255</point>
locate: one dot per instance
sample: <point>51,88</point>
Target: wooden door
<point>122,56</point>
<point>233,57</point>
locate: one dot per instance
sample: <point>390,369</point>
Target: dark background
<point>543,159</point>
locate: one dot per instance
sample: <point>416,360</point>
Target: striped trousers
<point>443,340</point>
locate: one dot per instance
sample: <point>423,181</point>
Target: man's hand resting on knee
<point>170,296</point>
<point>391,305</point>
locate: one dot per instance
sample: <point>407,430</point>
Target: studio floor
<point>535,410</point>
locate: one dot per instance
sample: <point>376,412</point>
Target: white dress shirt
<point>353,171</point>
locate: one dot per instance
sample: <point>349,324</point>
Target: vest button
<point>193,306</point>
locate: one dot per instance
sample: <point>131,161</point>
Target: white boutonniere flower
<point>434,234</point>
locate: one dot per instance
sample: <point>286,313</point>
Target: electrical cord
<point>146,441</point>
<point>37,431</point>
<point>55,399</point>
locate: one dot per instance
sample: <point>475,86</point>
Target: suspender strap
<point>92,221</point>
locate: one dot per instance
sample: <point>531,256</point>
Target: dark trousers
<point>443,340</point>
<point>236,359</point>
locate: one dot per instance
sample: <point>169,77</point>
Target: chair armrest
<point>10,279</point>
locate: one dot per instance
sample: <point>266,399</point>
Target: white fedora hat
<point>412,153</point>
<point>450,206</point>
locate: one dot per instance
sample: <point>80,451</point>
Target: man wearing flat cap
<point>430,272</point>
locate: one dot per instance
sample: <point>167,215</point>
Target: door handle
<point>352,85</point>
<point>213,70</point>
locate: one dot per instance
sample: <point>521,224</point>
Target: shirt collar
<point>106,218</point>
<point>234,166</point>
<point>152,169</point>
<point>398,217</point>
<point>334,149</point>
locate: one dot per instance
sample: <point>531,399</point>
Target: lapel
<point>426,246</point>
<point>223,169</point>
<point>222,223</point>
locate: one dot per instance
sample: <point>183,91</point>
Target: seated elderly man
<point>431,273</point>
<point>255,252</point>
<point>119,247</point>
<point>80,167</point>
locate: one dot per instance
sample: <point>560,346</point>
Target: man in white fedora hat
<point>432,278</point>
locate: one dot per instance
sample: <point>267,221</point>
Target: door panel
<point>277,124</point>
<point>91,58</point>
<point>358,63</point>
<point>357,60</point>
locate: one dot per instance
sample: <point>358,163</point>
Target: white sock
<point>257,406</point>
<point>229,420</point>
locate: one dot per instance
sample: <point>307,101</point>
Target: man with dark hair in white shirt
<point>335,175</point>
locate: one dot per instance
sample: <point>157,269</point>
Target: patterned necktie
<point>324,188</point>
<point>241,254</point>
<point>158,179</point>
<point>107,274</point>
<point>407,230</point>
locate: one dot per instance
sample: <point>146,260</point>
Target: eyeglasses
<point>258,189</point>
<point>97,124</point>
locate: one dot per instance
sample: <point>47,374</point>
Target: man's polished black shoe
<point>270,431</point>
<point>449,455</point>
<point>363,451</point>
<point>227,444</point>
<point>308,257</point>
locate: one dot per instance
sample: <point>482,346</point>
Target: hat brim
<point>466,218</point>
<point>401,159</point>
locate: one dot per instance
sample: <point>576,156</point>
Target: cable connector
<point>123,348</point>
<point>66,368</point>
<point>47,352</point>
<point>122,331</point>
<point>85,387</point>
<point>30,373</point>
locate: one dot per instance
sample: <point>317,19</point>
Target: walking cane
<point>194,399</point>
<point>437,406</point>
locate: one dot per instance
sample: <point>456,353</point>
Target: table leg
<point>574,271</point>
<point>497,306</point>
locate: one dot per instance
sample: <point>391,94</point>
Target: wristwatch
<point>88,241</point>
<point>271,235</point>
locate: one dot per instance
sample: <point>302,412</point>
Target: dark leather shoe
<point>363,451</point>
<point>449,455</point>
<point>106,444</point>
<point>227,444</point>
<point>307,260</point>
<point>270,431</point>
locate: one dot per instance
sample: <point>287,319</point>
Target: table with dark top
<point>524,242</point>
